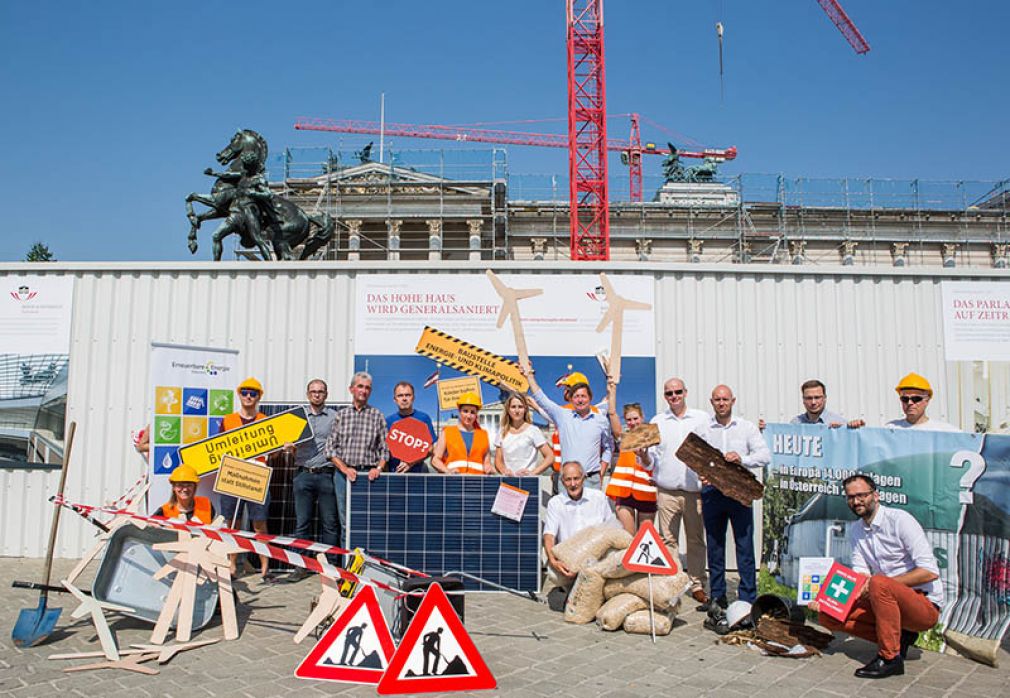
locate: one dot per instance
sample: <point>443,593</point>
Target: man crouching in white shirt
<point>574,508</point>
<point>904,595</point>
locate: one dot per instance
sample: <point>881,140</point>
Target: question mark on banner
<point>976,466</point>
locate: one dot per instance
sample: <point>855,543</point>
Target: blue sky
<point>113,109</point>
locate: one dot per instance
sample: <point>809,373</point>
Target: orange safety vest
<point>202,510</point>
<point>456,456</point>
<point>629,479</point>
<point>556,440</point>
<point>234,421</point>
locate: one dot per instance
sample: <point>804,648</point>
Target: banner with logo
<point>192,389</point>
<point>954,484</point>
<point>392,311</point>
<point>35,317</point>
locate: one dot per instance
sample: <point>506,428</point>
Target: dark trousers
<point>314,490</point>
<point>719,511</point>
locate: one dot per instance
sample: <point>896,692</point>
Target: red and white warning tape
<point>259,543</point>
<point>126,499</point>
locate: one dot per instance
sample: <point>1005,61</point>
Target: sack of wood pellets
<point>612,614</point>
<point>666,589</point>
<point>585,598</point>
<point>637,623</point>
<point>610,567</point>
<point>590,544</point>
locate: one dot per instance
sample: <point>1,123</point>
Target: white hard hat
<point>737,611</point>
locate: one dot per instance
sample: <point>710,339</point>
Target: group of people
<point>645,484</point>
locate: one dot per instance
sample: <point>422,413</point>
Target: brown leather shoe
<point>700,596</point>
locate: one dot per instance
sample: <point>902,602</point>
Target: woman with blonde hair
<point>520,447</point>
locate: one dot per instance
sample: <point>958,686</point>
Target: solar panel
<point>442,523</point>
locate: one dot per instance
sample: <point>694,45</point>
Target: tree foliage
<point>39,252</point>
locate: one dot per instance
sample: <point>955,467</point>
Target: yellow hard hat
<point>576,378</point>
<point>468,398</point>
<point>913,381</point>
<point>250,383</point>
<point>184,473</point>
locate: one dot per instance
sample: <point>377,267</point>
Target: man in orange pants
<point>904,593</point>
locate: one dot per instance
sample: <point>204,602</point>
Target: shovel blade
<point>34,625</point>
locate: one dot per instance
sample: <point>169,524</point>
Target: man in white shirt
<point>574,508</point>
<point>678,489</point>
<point>741,442</point>
<point>904,593</point>
<point>915,392</point>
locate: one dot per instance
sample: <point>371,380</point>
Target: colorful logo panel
<point>167,399</point>
<point>166,459</point>
<point>193,429</point>
<point>194,401</point>
<point>167,430</point>
<point>222,402</point>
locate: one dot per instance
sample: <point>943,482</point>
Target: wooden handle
<point>58,507</point>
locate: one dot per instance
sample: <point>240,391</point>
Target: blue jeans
<point>340,495</point>
<point>718,511</point>
<point>314,490</point>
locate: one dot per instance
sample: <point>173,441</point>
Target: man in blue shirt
<point>815,408</point>
<point>585,435</point>
<point>403,396</point>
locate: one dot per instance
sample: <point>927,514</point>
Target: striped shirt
<point>358,437</point>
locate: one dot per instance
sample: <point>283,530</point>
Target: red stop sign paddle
<point>409,439</point>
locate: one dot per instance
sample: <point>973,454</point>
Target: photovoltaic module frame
<point>443,523</point>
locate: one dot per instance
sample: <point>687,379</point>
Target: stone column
<point>798,251</point>
<point>393,229</point>
<point>949,254</point>
<point>694,250</point>
<point>1000,255</point>
<point>474,225</point>
<point>643,248</point>
<point>898,254</point>
<point>849,253</point>
<point>538,246</point>
<point>434,239</point>
<point>353,239</point>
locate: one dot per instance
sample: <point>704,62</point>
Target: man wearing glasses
<point>904,593</point>
<point>915,392</point>
<point>313,481</point>
<point>815,410</point>
<point>677,486</point>
<point>250,392</point>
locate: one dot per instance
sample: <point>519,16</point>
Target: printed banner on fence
<point>35,314</point>
<point>976,320</point>
<point>192,389</point>
<point>955,484</point>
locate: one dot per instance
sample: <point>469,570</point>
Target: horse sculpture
<point>270,223</point>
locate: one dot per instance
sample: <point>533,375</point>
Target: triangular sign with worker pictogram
<point>356,648</point>
<point>436,653</point>
<point>647,553</point>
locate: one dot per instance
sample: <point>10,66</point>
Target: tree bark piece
<point>732,479</point>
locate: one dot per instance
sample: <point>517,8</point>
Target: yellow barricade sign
<point>244,479</point>
<point>249,441</point>
<point>450,389</point>
<point>472,360</point>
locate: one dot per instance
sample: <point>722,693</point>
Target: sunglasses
<point>248,393</point>
<point>671,393</point>
<point>914,399</point>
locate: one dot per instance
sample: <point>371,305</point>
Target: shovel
<point>35,624</point>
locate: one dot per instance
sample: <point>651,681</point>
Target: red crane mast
<point>845,25</point>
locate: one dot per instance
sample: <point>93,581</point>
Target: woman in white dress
<point>520,447</point>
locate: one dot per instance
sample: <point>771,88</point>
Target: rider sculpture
<point>263,220</point>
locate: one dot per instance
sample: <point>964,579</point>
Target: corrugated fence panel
<point>763,331</point>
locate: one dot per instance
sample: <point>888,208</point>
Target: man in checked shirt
<point>357,441</point>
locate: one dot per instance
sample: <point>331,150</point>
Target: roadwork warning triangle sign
<point>357,648</point>
<point>648,554</point>
<point>436,653</point>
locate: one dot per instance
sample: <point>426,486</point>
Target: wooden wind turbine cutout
<point>510,309</point>
<point>329,605</point>
<point>616,305</point>
<point>97,609</point>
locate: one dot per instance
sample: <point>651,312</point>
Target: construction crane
<point>845,25</point>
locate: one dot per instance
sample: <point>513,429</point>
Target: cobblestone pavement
<point>530,650</point>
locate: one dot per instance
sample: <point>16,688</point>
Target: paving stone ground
<point>530,650</point>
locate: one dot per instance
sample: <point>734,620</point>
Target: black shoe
<point>881,668</point>
<point>908,638</point>
<point>720,602</point>
<point>716,621</point>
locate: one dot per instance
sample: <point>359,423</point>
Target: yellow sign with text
<point>450,389</point>
<point>244,479</point>
<point>472,360</point>
<point>253,439</point>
